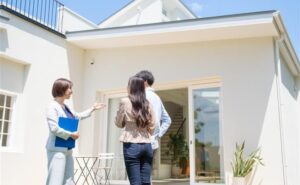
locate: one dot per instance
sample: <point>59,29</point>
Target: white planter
<point>238,181</point>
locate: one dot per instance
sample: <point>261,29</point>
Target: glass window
<point>7,114</point>
<point>2,99</point>
<point>1,112</point>
<point>113,144</point>
<point>208,143</point>
<point>6,109</point>
<point>5,127</point>
<point>8,101</point>
<point>4,140</point>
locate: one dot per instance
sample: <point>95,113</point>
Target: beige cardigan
<point>131,133</point>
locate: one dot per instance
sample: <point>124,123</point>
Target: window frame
<point>192,147</point>
<point>10,121</point>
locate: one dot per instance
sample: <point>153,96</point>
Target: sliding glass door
<point>118,171</point>
<point>204,132</point>
<point>206,151</point>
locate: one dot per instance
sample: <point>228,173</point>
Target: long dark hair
<point>140,105</point>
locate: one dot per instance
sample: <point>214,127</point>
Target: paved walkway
<point>158,182</point>
<point>171,182</point>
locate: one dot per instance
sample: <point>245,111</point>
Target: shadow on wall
<point>19,72</point>
<point>81,98</point>
<point>3,40</point>
<point>35,30</point>
<point>13,75</point>
<point>289,82</point>
<point>247,113</point>
<point>13,72</point>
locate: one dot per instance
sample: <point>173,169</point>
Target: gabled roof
<point>119,12</point>
<point>187,8</point>
<point>134,4</point>
<point>180,4</point>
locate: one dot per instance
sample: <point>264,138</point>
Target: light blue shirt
<point>163,120</point>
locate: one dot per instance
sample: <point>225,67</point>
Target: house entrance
<point>173,154</point>
<point>191,151</point>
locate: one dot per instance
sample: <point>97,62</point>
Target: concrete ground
<point>171,182</point>
<point>158,182</point>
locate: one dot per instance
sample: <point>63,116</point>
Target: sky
<point>98,10</point>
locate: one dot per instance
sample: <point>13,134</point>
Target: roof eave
<point>203,29</point>
<point>286,43</point>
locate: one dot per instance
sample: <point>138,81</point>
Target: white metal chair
<point>103,167</point>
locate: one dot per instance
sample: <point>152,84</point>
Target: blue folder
<point>68,124</point>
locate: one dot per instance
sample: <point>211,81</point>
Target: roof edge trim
<point>80,17</point>
<point>188,9</point>
<point>286,40</point>
<point>176,22</point>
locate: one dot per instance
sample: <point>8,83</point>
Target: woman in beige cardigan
<point>135,114</point>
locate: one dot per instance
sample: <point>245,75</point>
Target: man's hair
<point>60,87</point>
<point>146,76</point>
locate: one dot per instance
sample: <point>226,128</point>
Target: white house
<point>228,79</point>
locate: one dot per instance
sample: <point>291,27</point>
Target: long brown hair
<point>140,105</point>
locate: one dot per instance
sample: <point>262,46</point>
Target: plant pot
<point>187,170</point>
<point>238,181</point>
<point>176,171</point>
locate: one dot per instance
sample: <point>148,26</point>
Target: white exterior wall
<point>298,117</point>
<point>45,57</point>
<point>149,13</point>
<point>12,79</point>
<point>176,15</point>
<point>246,68</point>
<point>290,123</point>
<point>174,11</point>
<point>12,72</point>
<point>74,22</point>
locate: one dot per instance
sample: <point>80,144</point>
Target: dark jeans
<point>138,161</point>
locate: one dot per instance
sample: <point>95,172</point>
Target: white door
<point>205,138</point>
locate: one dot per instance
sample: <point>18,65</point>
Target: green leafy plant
<point>241,166</point>
<point>178,148</point>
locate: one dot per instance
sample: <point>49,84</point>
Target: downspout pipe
<point>278,76</point>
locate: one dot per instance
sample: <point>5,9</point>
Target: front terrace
<point>47,14</point>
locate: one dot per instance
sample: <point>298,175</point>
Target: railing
<point>181,126</point>
<point>46,12</point>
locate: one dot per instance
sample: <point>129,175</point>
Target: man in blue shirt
<point>163,120</point>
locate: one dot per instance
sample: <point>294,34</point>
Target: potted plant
<point>178,149</point>
<point>241,166</point>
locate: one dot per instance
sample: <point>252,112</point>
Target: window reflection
<point>207,136</point>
